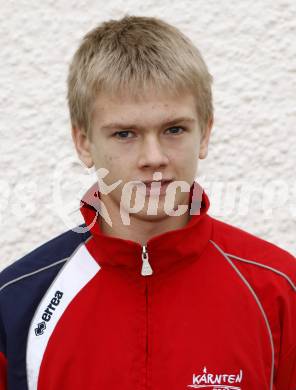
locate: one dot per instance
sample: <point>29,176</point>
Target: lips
<point>163,182</point>
<point>157,191</point>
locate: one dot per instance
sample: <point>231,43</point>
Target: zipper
<point>146,267</point>
<point>146,270</point>
<point>147,338</point>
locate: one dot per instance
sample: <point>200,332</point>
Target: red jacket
<point>217,312</point>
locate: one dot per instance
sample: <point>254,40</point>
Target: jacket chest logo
<point>48,312</point>
<point>213,381</point>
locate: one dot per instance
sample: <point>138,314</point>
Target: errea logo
<point>48,312</point>
<point>217,381</point>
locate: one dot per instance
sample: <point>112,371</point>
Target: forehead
<point>147,109</point>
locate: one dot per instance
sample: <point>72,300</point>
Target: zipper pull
<point>146,267</point>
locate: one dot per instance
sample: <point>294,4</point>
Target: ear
<point>82,145</point>
<point>204,143</point>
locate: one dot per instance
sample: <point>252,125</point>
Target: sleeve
<point>286,373</point>
<point>3,365</point>
<point>286,377</point>
<point>3,384</point>
<point>3,359</point>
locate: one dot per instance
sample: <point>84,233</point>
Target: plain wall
<point>250,50</point>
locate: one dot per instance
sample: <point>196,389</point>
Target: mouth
<point>159,189</point>
<point>163,182</point>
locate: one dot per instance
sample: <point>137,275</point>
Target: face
<point>134,139</point>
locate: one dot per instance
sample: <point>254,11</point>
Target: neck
<point>141,228</point>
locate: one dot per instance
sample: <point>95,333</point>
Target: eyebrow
<point>131,125</point>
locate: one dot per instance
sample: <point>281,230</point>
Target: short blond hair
<point>130,54</point>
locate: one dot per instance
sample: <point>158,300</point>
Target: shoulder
<point>255,253</point>
<point>24,283</point>
<point>43,262</point>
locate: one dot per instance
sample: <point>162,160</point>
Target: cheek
<point>117,167</point>
<point>104,160</point>
<point>187,154</point>
<point>189,162</point>
<point>108,160</point>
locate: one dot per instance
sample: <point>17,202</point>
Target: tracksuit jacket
<point>207,306</point>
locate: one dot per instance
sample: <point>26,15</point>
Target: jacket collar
<point>163,250</point>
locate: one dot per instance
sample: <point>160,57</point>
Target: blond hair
<point>127,56</point>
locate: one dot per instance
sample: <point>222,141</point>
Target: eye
<point>176,132</point>
<point>120,133</point>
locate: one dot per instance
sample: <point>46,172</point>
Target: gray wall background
<point>250,50</point>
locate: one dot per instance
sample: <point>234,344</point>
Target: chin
<point>161,215</point>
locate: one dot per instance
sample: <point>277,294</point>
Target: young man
<point>155,294</point>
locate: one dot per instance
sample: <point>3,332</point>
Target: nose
<point>152,153</point>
